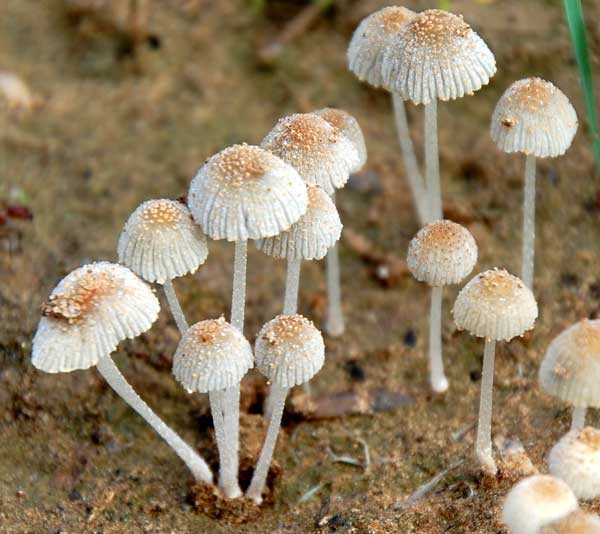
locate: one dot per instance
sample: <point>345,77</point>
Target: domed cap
<point>245,192</point>
<point>88,313</point>
<point>312,236</point>
<point>348,125</point>
<point>576,460</point>
<point>213,355</point>
<point>577,522</point>
<point>160,241</point>
<point>322,154</point>
<point>289,350</point>
<point>534,116</point>
<point>371,37</point>
<point>436,55</point>
<point>495,305</point>
<point>442,253</point>
<point>535,502</point>
<point>570,369</point>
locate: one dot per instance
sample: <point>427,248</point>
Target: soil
<point>124,113</point>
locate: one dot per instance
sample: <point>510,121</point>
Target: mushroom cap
<point>212,355</point>
<point>535,117</point>
<point>88,314</point>
<point>577,522</point>
<point>495,305</point>
<point>322,154</point>
<point>436,55</point>
<point>289,350</point>
<point>245,192</point>
<point>535,502</point>
<point>370,39</point>
<point>312,236</point>
<point>576,460</point>
<point>160,241</point>
<point>348,125</point>
<point>570,369</point>
<point>442,253</point>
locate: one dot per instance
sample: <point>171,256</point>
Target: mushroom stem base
<point>578,418</point>
<point>483,445</point>
<point>439,382</point>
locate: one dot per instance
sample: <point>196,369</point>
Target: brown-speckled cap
<point>577,522</point>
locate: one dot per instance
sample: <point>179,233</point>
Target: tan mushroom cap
<point>442,253</point>
<point>289,350</point>
<point>320,153</point>
<point>88,314</point>
<point>160,241</point>
<point>436,55</point>
<point>570,369</point>
<point>212,356</point>
<point>245,192</point>
<point>495,305</point>
<point>535,117</point>
<point>312,236</point>
<point>577,522</point>
<point>370,39</point>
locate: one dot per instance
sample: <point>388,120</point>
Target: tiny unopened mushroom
<point>570,369</point>
<point>160,242</point>
<point>87,315</point>
<point>534,117</point>
<point>535,502</point>
<point>289,351</point>
<point>442,253</point>
<point>497,306</point>
<point>577,522</point>
<point>212,357</point>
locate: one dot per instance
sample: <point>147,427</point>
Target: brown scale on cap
<point>590,437</point>
<point>304,131</point>
<point>578,522</point>
<point>241,162</point>
<point>207,332</point>
<point>531,95</point>
<point>336,117</point>
<point>315,199</point>
<point>394,17</point>
<point>443,234</point>
<point>498,283</point>
<point>437,29</point>
<point>587,338</point>
<point>547,488</point>
<point>286,328</point>
<point>162,213</point>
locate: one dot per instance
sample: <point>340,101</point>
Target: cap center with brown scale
<point>393,18</point>
<point>161,213</point>
<point>438,30</point>
<point>240,163</point>
<point>307,132</point>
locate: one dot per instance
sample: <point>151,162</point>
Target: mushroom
<point>212,357</point>
<point>161,242</point>
<point>577,522</point>
<point>497,306</point>
<point>536,502</point>
<point>87,315</point>
<point>442,253</point>
<point>570,369</point>
<point>289,351</point>
<point>435,55</point>
<point>365,58</point>
<point>533,116</point>
<point>576,460</point>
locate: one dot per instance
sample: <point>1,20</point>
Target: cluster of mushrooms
<point>281,195</point>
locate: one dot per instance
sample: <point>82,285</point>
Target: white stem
<point>334,323</point>
<point>292,283</point>
<point>231,416</point>
<point>259,478</point>
<point>439,382</point>
<point>191,458</point>
<point>411,167</point>
<point>578,418</point>
<point>238,297</point>
<point>528,222</point>
<point>176,310</point>
<point>432,162</point>
<point>483,446</point>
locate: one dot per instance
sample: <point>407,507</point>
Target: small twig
<point>457,437</point>
<point>343,459</point>
<point>366,452</point>
<point>310,493</point>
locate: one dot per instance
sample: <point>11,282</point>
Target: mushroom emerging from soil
<point>435,55</point>
<point>497,306</point>
<point>161,242</point>
<point>570,369</point>
<point>289,351</point>
<point>442,253</point>
<point>212,357</point>
<point>533,116</point>
<point>87,315</point>
<point>535,502</point>
<point>577,522</point>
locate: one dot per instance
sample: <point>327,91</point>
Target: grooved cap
<point>577,522</point>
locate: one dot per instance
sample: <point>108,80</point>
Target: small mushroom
<point>212,357</point>
<point>87,315</point>
<point>497,306</point>
<point>442,253</point>
<point>533,116</point>
<point>160,242</point>
<point>577,522</point>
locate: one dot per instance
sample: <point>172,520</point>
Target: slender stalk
<point>292,283</point>
<point>238,297</point>
<point>528,222</point>
<point>439,382</point>
<point>334,324</point>
<point>411,167</point>
<point>483,446</point>
<point>432,163</point>
<point>259,478</point>
<point>578,418</point>
<point>191,458</point>
<point>176,310</point>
